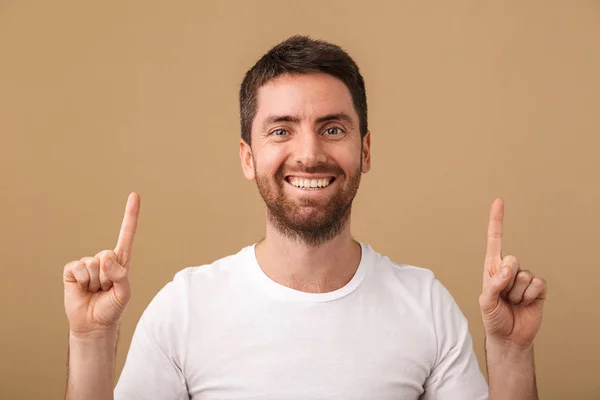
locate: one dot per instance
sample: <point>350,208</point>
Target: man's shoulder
<point>417,283</point>
<point>208,281</point>
<point>406,280</point>
<point>404,272</point>
<point>222,268</point>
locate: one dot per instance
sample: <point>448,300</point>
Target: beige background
<point>468,101</point>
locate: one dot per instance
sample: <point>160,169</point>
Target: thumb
<point>119,276</point>
<point>491,291</point>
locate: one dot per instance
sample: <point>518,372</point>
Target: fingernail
<point>505,272</point>
<point>108,263</point>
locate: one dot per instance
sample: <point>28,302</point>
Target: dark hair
<point>300,55</point>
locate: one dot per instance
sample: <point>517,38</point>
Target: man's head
<point>304,123</point>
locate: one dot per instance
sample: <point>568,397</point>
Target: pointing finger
<point>128,228</point>
<point>495,231</point>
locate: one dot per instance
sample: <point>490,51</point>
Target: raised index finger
<point>128,228</point>
<point>494,241</point>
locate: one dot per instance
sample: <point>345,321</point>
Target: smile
<point>305,183</point>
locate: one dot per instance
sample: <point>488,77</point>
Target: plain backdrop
<point>468,101</point>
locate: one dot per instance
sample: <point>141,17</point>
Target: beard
<point>310,221</point>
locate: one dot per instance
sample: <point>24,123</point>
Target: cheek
<point>348,159</point>
<point>267,161</point>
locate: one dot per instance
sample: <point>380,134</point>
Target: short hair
<point>300,55</point>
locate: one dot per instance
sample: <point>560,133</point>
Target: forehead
<point>305,96</point>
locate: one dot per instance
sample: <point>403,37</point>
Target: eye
<point>334,130</point>
<point>279,132</point>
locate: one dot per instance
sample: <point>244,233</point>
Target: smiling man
<point>308,312</point>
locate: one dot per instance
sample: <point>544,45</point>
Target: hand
<point>512,300</point>
<point>97,288</point>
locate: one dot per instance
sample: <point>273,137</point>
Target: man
<point>308,312</point>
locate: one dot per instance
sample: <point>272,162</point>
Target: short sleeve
<point>455,374</point>
<point>153,367</point>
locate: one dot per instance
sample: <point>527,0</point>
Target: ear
<point>366,153</point>
<point>247,160</point>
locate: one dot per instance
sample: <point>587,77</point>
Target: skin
<point>303,144</point>
<point>97,292</point>
<point>511,305</point>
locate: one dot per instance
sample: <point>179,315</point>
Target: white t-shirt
<point>227,331</point>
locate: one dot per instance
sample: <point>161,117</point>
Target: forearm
<point>511,372</point>
<point>91,371</point>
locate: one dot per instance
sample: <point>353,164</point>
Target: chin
<point>309,221</point>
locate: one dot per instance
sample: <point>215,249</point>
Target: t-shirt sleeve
<point>455,374</point>
<point>153,367</point>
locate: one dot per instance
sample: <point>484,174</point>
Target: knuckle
<point>128,229</point>
<point>515,297</point>
<point>121,276</point>
<point>79,266</point>
<point>100,253</point>
<point>104,280</point>
<point>529,296</point>
<point>524,276</point>
<point>511,260</point>
<point>89,261</point>
<point>83,279</point>
<point>105,254</point>
<point>94,270</point>
<point>542,281</point>
<point>71,265</point>
<point>123,256</point>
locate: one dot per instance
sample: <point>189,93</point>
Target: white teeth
<point>309,183</point>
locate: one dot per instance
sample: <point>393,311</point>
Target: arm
<point>511,372</point>
<point>96,294</point>
<point>92,362</point>
<point>511,305</point>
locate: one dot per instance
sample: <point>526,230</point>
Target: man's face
<point>307,155</point>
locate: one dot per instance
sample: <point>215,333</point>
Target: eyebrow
<point>273,119</point>
<point>336,117</point>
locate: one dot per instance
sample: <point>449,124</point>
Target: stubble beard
<point>312,222</point>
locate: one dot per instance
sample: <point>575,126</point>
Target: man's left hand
<point>512,300</point>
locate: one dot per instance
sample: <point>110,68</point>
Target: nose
<point>309,151</point>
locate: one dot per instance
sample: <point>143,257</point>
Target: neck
<point>318,269</point>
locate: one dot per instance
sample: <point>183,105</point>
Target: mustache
<point>331,169</point>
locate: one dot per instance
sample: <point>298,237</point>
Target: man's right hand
<point>97,288</point>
